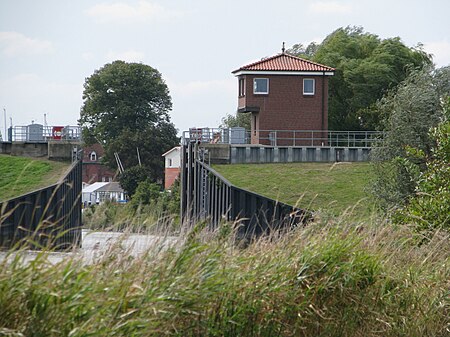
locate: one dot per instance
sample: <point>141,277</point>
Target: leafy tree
<point>146,192</point>
<point>408,112</point>
<point>429,206</point>
<point>366,68</point>
<point>240,119</point>
<point>130,179</point>
<point>126,107</point>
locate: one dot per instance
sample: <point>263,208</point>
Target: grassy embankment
<point>323,280</point>
<point>19,175</point>
<point>335,188</point>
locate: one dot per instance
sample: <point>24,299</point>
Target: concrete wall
<point>242,154</point>
<point>57,150</point>
<point>267,154</point>
<point>5,148</point>
<point>61,150</point>
<point>24,149</point>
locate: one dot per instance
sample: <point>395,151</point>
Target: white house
<point>172,159</point>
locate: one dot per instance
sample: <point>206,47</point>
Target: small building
<point>172,164</point>
<point>283,93</point>
<point>102,191</point>
<point>93,169</point>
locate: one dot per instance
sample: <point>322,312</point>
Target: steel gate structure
<point>206,195</point>
<point>47,218</point>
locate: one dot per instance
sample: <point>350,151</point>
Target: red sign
<point>57,132</point>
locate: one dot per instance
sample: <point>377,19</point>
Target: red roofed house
<point>283,92</point>
<point>93,169</point>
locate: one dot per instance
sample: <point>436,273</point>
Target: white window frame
<point>254,86</point>
<point>314,87</point>
<point>93,156</point>
<point>241,84</point>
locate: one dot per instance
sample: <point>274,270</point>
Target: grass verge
<point>19,175</point>
<point>334,187</point>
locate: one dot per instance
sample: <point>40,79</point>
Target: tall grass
<point>323,280</point>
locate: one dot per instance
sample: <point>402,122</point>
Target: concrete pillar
<point>318,157</point>
<point>303,157</point>
<point>332,155</point>
<point>248,155</point>
<point>262,155</point>
<point>359,156</point>
<point>290,156</point>
<point>233,155</point>
<point>276,155</point>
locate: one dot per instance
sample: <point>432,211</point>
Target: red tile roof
<point>284,62</point>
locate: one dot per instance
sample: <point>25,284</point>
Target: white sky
<point>49,47</point>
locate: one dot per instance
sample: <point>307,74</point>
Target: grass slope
<point>332,187</point>
<point>19,175</point>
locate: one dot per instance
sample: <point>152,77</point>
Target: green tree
<point>240,119</point>
<point>126,109</point>
<point>366,68</point>
<point>429,206</point>
<point>408,112</point>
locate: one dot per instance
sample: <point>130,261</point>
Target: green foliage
<point>145,193</point>
<point>19,175</point>
<point>408,114</point>
<point>123,96</point>
<point>429,206</point>
<point>366,67</point>
<point>325,280</point>
<point>132,177</point>
<point>126,108</point>
<point>240,119</point>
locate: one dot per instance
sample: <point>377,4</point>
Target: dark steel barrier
<point>206,195</point>
<point>47,218</point>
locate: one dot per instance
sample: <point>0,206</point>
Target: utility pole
<point>4,113</point>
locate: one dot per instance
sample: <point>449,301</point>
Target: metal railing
<point>38,133</point>
<point>206,195</point>
<point>47,218</point>
<point>313,138</point>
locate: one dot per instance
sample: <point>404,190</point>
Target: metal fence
<point>47,218</point>
<point>38,133</point>
<point>206,195</point>
<point>315,138</point>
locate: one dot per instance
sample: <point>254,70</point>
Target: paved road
<point>95,245</point>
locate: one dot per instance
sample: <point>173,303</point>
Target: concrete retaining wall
<point>57,150</point>
<point>265,154</point>
<point>243,154</point>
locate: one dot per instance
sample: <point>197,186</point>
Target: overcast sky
<point>49,47</point>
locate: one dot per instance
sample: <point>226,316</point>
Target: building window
<point>261,86</point>
<point>169,162</point>
<point>93,156</point>
<point>241,87</point>
<point>308,86</point>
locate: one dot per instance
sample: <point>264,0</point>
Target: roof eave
<point>284,72</point>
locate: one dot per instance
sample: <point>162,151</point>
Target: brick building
<point>93,169</point>
<point>283,93</point>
